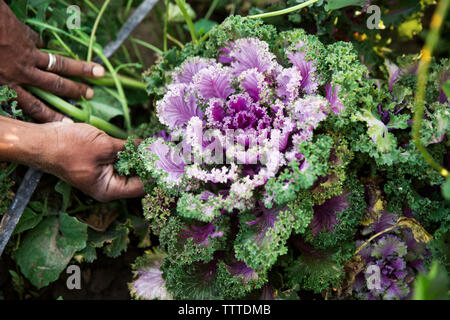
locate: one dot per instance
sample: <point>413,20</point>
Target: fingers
<point>115,187</point>
<point>125,187</point>
<point>110,155</point>
<point>36,108</point>
<point>59,86</point>
<point>70,67</point>
<point>118,144</point>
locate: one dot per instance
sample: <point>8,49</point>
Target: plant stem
<point>166,22</point>
<point>373,237</point>
<point>137,53</point>
<point>123,99</point>
<point>92,6</point>
<point>284,11</point>
<point>77,113</point>
<point>125,53</point>
<point>11,169</point>
<point>177,42</point>
<point>125,81</point>
<point>187,18</point>
<point>147,45</point>
<point>64,45</point>
<point>422,73</point>
<point>205,36</point>
<point>211,9</point>
<point>52,28</point>
<point>127,8</point>
<point>94,30</point>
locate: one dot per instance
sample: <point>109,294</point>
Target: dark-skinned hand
<point>78,153</point>
<point>22,63</point>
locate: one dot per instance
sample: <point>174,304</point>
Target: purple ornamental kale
<point>384,221</point>
<point>239,268</point>
<point>306,68</point>
<point>398,258</point>
<point>169,162</point>
<point>178,106</point>
<point>150,285</point>
<point>332,96</point>
<point>325,215</point>
<point>201,235</point>
<point>271,108</point>
<point>265,221</point>
<point>148,282</point>
<point>190,68</point>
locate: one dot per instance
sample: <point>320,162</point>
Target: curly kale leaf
<point>8,108</point>
<point>188,241</point>
<point>318,270</point>
<point>158,207</point>
<point>379,132</point>
<point>286,186</point>
<point>130,163</point>
<point>195,281</point>
<point>262,239</point>
<point>236,27</point>
<point>236,280</point>
<point>337,219</point>
<point>148,282</point>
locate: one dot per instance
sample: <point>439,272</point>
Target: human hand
<point>83,156</point>
<point>22,63</point>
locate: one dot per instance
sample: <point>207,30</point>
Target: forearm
<point>23,142</point>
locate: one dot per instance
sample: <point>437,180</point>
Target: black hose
<point>23,195</point>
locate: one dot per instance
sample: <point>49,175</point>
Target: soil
<point>104,279</point>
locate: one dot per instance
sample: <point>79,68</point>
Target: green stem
<point>182,6</point>
<point>147,45</point>
<point>211,9</point>
<point>176,41</point>
<point>58,52</point>
<point>94,30</point>
<point>44,25</point>
<point>92,6</point>
<point>64,45</point>
<point>180,32</point>
<point>11,169</point>
<point>166,22</point>
<point>123,99</point>
<point>77,113</point>
<point>137,53</point>
<point>422,73</point>
<point>127,8</point>
<point>125,81</point>
<point>126,53</point>
<point>284,11</point>
<point>205,36</point>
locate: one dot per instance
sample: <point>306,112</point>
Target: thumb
<point>124,187</point>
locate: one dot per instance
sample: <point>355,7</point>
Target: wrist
<point>26,143</point>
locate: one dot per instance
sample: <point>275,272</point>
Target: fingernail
<point>98,71</point>
<point>67,120</point>
<point>89,93</point>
